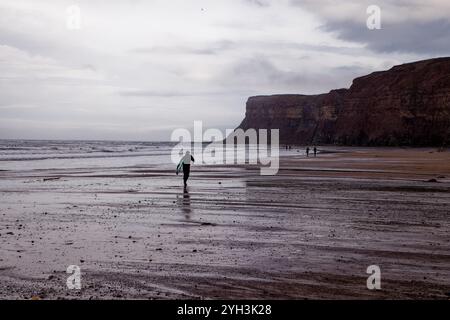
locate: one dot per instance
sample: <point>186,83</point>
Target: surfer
<point>185,166</point>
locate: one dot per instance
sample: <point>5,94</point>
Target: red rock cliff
<point>406,105</point>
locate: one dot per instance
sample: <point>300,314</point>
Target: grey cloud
<point>89,67</point>
<point>62,51</point>
<point>173,94</point>
<point>213,48</point>
<point>432,38</point>
<point>403,29</point>
<point>152,93</point>
<point>259,73</point>
<point>259,3</point>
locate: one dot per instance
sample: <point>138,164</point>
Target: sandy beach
<point>309,232</point>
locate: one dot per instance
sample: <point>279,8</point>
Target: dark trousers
<point>186,171</point>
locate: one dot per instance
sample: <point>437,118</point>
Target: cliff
<point>406,105</point>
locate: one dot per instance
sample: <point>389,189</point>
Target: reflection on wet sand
<point>186,204</point>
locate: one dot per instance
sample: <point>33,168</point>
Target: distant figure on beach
<point>185,166</point>
<point>307,151</point>
<point>315,151</point>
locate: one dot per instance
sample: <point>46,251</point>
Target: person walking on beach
<point>186,165</point>
<point>307,151</point>
<point>315,151</point>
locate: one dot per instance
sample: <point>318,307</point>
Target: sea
<point>58,154</point>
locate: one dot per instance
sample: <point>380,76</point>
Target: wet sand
<point>309,232</point>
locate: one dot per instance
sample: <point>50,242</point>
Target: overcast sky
<point>137,69</point>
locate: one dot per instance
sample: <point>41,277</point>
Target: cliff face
<point>406,105</point>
